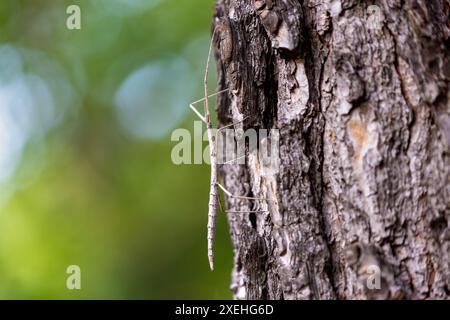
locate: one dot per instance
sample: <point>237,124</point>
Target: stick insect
<point>214,200</point>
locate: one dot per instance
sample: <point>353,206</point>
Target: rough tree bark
<point>364,121</point>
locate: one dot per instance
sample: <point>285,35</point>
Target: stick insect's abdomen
<point>213,198</point>
<point>212,224</point>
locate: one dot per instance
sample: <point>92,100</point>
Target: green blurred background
<point>86,176</point>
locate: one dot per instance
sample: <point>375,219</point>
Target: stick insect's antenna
<point>205,81</point>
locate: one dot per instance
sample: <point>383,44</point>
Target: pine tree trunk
<point>360,96</point>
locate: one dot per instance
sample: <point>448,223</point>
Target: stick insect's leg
<point>197,113</point>
<point>228,193</point>
<point>227,126</point>
<point>191,105</point>
<point>248,211</point>
<point>233,124</point>
<point>235,159</point>
<point>234,211</point>
<point>220,203</point>
<point>237,211</point>
<point>230,125</point>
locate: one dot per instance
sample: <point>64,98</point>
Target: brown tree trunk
<point>362,107</point>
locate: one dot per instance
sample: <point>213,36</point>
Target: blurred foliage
<point>85,123</point>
